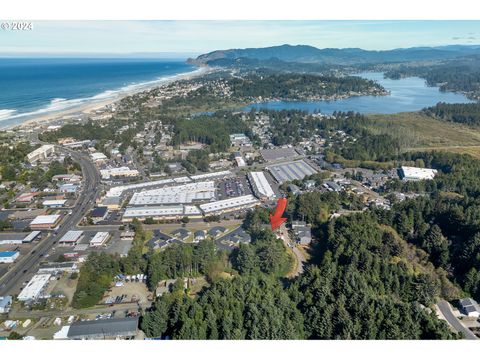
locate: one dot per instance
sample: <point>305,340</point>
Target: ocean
<point>34,87</point>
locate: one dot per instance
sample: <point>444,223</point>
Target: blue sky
<point>195,37</point>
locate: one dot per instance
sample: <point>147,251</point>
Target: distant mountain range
<point>347,56</point>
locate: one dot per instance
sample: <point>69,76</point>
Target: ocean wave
<point>5,114</point>
<point>61,104</point>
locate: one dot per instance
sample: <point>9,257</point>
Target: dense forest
<point>445,223</point>
<point>301,87</point>
<point>468,114</point>
<point>362,285</point>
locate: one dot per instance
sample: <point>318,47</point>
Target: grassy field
<point>416,131</point>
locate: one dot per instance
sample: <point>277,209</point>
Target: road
<point>447,312</point>
<point>14,314</point>
<point>299,258</point>
<point>299,263</point>
<point>27,265</point>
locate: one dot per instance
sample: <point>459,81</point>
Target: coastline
<point>95,103</point>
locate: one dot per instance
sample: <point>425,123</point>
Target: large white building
<point>260,185</point>
<point>45,222</point>
<point>71,237</point>
<point>214,175</point>
<point>180,194</point>
<point>100,239</point>
<point>40,154</point>
<point>168,212</point>
<point>8,257</point>
<point>231,204</point>
<point>98,157</point>
<point>415,173</point>
<point>54,203</point>
<point>34,288</point>
<point>123,171</point>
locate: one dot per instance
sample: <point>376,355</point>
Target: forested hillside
<point>460,113</point>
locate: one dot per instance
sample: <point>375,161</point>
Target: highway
<point>25,268</point>
<point>446,311</point>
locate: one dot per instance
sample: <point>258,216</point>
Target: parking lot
<point>232,188</point>
<point>129,292</point>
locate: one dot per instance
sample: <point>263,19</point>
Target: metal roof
<point>104,328</point>
<point>71,236</point>
<point>45,219</point>
<point>8,254</point>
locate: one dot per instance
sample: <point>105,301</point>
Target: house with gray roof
<point>181,234</point>
<point>470,307</point>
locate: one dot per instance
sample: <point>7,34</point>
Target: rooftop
<point>45,219</point>
<point>104,328</point>
<point>71,236</point>
<point>231,203</point>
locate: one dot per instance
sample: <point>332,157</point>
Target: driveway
<point>446,310</point>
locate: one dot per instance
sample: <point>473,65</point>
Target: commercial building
<point>180,194</point>
<point>45,222</point>
<point>11,238</point>
<point>414,173</point>
<point>58,267</point>
<point>167,212</point>
<point>118,172</point>
<point>228,205</point>
<point>100,239</point>
<point>27,214</point>
<point>261,187</point>
<point>18,238</point>
<point>111,202</point>
<point>67,178</point>
<point>115,328</point>
<point>71,237</point>
<point>278,154</point>
<point>33,290</point>
<point>40,154</point>
<point>32,236</point>
<point>118,191</point>
<point>98,157</point>
<point>289,171</point>
<point>99,213</point>
<point>5,304</point>
<point>54,203</point>
<point>8,257</point>
<point>78,144</point>
<point>25,198</point>
<point>127,235</point>
<point>239,159</point>
<point>68,188</point>
<point>215,175</point>
<point>240,140</point>
<point>470,307</point>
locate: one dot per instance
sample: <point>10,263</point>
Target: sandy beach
<point>95,104</point>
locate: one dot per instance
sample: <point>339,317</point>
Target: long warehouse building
<point>260,185</point>
<point>289,171</point>
<point>168,212</point>
<point>231,204</point>
<point>34,288</point>
<point>181,194</point>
